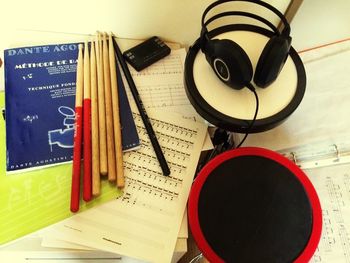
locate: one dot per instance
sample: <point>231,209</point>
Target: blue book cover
<point>40,84</point>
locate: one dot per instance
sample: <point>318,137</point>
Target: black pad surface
<point>253,209</point>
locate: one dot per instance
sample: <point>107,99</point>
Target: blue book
<point>40,84</point>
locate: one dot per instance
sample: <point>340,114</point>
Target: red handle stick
<point>75,193</point>
<point>87,182</point>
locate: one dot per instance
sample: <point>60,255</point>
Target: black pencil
<point>143,113</point>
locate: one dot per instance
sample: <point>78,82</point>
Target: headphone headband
<point>246,14</point>
<point>285,31</point>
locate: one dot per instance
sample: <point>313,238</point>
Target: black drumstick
<point>141,108</point>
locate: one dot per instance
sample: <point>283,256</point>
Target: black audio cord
<point>221,143</point>
<point>252,89</point>
<point>220,139</point>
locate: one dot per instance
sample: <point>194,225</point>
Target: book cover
<point>35,199</point>
<point>40,84</point>
<point>130,136</point>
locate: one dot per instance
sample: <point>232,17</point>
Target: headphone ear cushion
<point>271,60</point>
<point>230,62</point>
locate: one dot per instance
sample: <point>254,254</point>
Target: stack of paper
<point>144,223</point>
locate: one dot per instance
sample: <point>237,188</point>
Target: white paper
<point>333,187</point>
<point>323,114</point>
<point>29,249</point>
<point>52,242</point>
<point>63,256</point>
<point>144,223</point>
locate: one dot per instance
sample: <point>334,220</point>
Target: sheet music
<point>144,222</point>
<point>161,85</point>
<point>323,112</point>
<point>333,187</point>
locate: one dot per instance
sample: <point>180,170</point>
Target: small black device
<point>146,53</point>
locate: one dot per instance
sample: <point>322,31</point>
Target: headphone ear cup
<point>230,62</point>
<point>271,60</point>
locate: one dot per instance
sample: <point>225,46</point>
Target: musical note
<point>27,76</point>
<point>171,64</point>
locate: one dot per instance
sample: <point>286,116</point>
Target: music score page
<point>144,222</point>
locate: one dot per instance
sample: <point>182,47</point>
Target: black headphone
<point>231,63</point>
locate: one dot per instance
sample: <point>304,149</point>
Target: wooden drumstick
<point>87,188</point>
<point>109,112</point>
<point>101,108</point>
<point>116,117</point>
<point>96,184</point>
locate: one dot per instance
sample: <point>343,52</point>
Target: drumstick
<point>101,108</point>
<point>145,119</point>
<point>116,117</point>
<point>75,191</point>
<point>87,127</point>
<point>94,125</point>
<point>109,112</point>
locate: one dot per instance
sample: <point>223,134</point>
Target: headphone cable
<point>252,89</point>
<point>222,140</point>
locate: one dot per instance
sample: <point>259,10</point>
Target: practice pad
<point>254,205</point>
<point>232,109</point>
